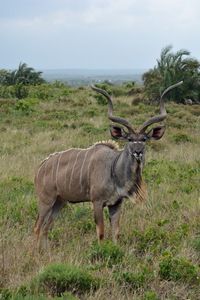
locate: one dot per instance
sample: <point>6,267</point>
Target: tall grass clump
<point>58,279</point>
<point>107,253</point>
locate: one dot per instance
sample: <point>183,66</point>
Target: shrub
<point>57,279</point>
<point>175,268</point>
<point>101,100</point>
<point>24,106</point>
<point>153,238</point>
<point>119,91</point>
<point>66,93</point>
<point>135,279</point>
<point>130,84</point>
<point>21,90</point>
<point>5,294</point>
<point>107,252</point>
<point>41,92</point>
<point>6,91</point>
<point>180,137</point>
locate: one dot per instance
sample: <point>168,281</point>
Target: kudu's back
<point>76,175</point>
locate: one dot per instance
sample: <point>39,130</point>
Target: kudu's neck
<point>127,169</point>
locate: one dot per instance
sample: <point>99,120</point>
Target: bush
<point>6,91</point>
<point>21,90</point>
<point>101,100</point>
<point>5,294</point>
<point>175,269</point>
<point>66,93</point>
<point>57,279</point>
<point>180,137</point>
<point>119,91</point>
<point>135,279</point>
<point>153,238</point>
<point>107,252</point>
<point>24,106</point>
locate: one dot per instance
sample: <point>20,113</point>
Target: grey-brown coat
<point>101,174</point>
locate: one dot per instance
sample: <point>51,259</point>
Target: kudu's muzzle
<point>137,150</point>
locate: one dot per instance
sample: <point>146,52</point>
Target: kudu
<point>101,174</point>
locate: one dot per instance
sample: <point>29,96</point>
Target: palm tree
<point>172,68</point>
<point>23,75</point>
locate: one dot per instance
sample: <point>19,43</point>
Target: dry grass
<point>167,222</point>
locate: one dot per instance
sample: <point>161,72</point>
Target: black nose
<point>138,155</point>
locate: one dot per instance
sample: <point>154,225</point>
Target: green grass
<point>157,256</point>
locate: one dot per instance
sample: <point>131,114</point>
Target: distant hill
<point>78,77</point>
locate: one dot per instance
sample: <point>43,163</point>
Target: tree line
<point>171,68</point>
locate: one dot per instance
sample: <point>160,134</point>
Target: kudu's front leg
<point>114,213</point>
<point>98,218</point>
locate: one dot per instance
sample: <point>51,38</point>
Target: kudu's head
<point>136,139</point>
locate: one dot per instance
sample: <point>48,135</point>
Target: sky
<point>95,34</point>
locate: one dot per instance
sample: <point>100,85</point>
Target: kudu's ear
<point>156,133</point>
<point>118,132</point>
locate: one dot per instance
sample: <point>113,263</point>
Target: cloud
<point>104,32</point>
<point>110,14</point>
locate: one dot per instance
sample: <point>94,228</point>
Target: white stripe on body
<point>38,171</point>
<point>81,171</point>
<point>57,169</point>
<point>36,179</point>
<point>66,170</point>
<point>53,171</point>
<point>88,170</point>
<point>44,180</point>
<point>72,173</point>
<point>45,163</point>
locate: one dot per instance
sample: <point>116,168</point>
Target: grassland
<point>158,254</point>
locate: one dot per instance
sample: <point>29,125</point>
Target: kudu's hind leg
<point>45,218</point>
<point>114,213</point>
<point>98,217</point>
